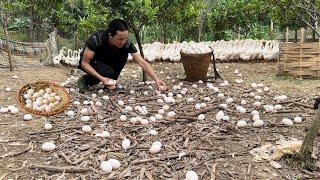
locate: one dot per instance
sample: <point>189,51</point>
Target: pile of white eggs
<point>42,100</point>
<point>195,48</point>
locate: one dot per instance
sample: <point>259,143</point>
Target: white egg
<point>161,111</point>
<point>152,119</point>
<point>123,117</point>
<point>106,167</point>
<point>76,103</point>
<point>254,112</point>
<point>160,100</point>
<point>223,106</point>
<point>219,115</point>
<point>100,91</point>
<point>70,113</point>
<point>191,175</point>
<point>297,120</point>
<point>114,163</point>
<point>241,123</point>
<point>171,114</point>
<point>257,97</point>
<point>257,104</point>
<point>128,108</point>
<point>189,100</point>
<point>243,102</point>
<point>121,103</point>
<point>105,97</point>
<point>226,118</point>
<point>103,134</point>
<point>155,149</point>
<point>153,132</point>
<point>30,91</point>
<point>133,120</point>
<point>86,128</point>
<point>277,107</point>
<point>229,100</point>
<point>158,116</point>
<point>157,143</point>
<point>220,95</point>
<point>14,110</point>
<point>197,106</point>
<point>126,144</point>
<point>201,117</point>
<point>255,117</point>
<point>98,103</point>
<point>27,117</point>
<point>47,126</point>
<point>131,91</point>
<point>287,122</point>
<point>4,110</point>
<point>85,118</point>
<point>254,85</point>
<point>258,123</point>
<point>144,121</point>
<point>84,111</point>
<point>203,105</point>
<point>179,96</point>
<point>8,89</point>
<point>48,146</point>
<point>242,110</point>
<point>165,107</point>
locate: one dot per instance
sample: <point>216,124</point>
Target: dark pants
<point>103,69</point>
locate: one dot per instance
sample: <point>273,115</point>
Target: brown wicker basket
<point>196,65</point>
<point>63,105</point>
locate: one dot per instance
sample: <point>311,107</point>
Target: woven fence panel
<point>299,60</point>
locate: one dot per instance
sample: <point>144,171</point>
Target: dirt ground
<point>213,148</point>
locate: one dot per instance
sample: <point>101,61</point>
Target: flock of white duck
<point>69,57</point>
<point>245,50</point>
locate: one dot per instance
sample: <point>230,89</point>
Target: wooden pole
<point>5,24</point>
<point>271,29</point>
<point>302,34</point>
<point>287,34</point>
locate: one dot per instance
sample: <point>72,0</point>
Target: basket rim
<point>196,55</point>
<point>51,113</point>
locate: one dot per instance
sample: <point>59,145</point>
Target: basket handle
<point>216,73</point>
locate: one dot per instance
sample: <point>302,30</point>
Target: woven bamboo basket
<point>196,65</point>
<point>59,90</point>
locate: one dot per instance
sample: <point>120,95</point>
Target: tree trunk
<point>163,32</point>
<point>307,145</point>
<point>200,25</point>
<point>239,33</point>
<point>5,25</point>
<point>271,29</point>
<point>296,35</point>
<point>52,49</point>
<point>137,35</point>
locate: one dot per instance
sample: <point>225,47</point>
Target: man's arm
<point>85,64</point>
<point>148,69</point>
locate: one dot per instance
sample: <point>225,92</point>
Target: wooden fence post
<point>5,25</point>
<point>287,34</point>
<point>302,34</point>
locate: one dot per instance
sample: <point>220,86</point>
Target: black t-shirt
<point>104,52</point>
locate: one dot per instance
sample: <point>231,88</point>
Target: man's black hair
<point>117,25</point>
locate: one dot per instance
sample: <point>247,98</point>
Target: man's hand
<point>109,83</point>
<point>161,85</point>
